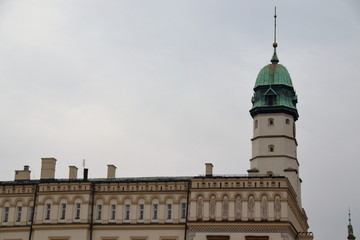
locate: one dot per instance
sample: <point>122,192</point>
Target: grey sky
<point>161,87</point>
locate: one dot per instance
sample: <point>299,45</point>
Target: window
<point>63,211</point>
<point>287,121</point>
<point>256,123</point>
<point>77,210</point>
<point>169,210</point>
<point>113,212</point>
<point>270,99</point>
<point>127,211</point>
<point>99,212</point>
<point>31,213</point>
<point>141,211</point>
<point>155,211</point>
<point>6,214</point>
<point>18,214</point>
<point>271,122</point>
<point>271,148</point>
<point>47,211</point>
<point>183,210</point>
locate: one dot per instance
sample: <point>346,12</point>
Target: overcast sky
<point>158,88</point>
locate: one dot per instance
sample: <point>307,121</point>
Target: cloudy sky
<point>160,87</point>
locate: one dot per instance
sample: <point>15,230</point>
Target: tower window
<point>271,148</point>
<point>271,122</point>
<point>256,123</point>
<point>270,99</point>
<point>287,121</point>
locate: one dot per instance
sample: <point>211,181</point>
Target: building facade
<point>264,204</point>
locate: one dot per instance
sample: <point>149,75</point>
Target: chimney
<point>86,173</point>
<point>111,171</point>
<point>48,168</point>
<point>73,172</point>
<point>23,174</point>
<point>209,169</point>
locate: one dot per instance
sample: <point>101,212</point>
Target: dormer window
<point>270,100</point>
<point>270,97</point>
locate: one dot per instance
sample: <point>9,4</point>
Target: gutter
<point>92,210</point>
<point>34,210</point>
<point>187,209</point>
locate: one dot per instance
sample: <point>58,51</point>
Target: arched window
<point>18,210</point>
<point>287,121</point>
<point>62,209</point>
<point>271,122</point>
<point>127,209</point>
<point>6,210</point>
<point>113,210</point>
<point>155,209</point>
<point>47,209</point>
<point>271,148</point>
<point>183,208</point>
<point>77,209</point>
<point>169,209</point>
<point>256,123</point>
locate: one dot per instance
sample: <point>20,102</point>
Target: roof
<point>273,74</point>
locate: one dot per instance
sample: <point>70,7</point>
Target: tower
<point>274,115</point>
<point>350,229</point>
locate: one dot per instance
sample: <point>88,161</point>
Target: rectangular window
<point>99,211</point>
<point>169,210</point>
<point>127,211</point>
<point>155,211</point>
<point>31,213</point>
<point>141,211</point>
<point>63,211</point>
<point>183,210</point>
<point>113,212</point>
<point>6,214</point>
<point>18,213</point>
<point>47,211</point>
<point>77,210</point>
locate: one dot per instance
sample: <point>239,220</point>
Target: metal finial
<point>349,216</point>
<point>274,58</point>
<point>275,43</point>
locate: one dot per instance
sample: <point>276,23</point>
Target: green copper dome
<point>273,91</point>
<point>273,74</point>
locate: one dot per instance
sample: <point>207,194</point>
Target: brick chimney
<point>111,171</point>
<point>23,174</point>
<point>73,172</point>
<point>48,168</point>
<point>209,169</point>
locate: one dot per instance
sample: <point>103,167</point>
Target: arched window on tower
<point>271,122</point>
<point>287,121</point>
<point>256,124</point>
<point>271,148</point>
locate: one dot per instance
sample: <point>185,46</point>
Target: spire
<point>274,59</point>
<point>350,229</point>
